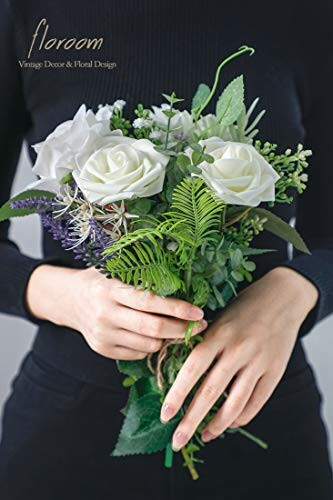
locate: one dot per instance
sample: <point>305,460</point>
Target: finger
<point>141,343</point>
<point>153,325</point>
<point>232,407</point>
<point>149,302</point>
<point>124,354</point>
<point>259,398</point>
<point>208,393</point>
<point>194,367</point>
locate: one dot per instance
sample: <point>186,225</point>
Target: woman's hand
<point>116,320</point>
<point>251,343</point>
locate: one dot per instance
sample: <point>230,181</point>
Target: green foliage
<point>242,50</point>
<point>142,430</point>
<point>231,102</point>
<point>148,265</point>
<point>137,369</point>
<point>144,132</point>
<point>249,226</point>
<point>282,229</point>
<point>151,234</point>
<point>200,97</point>
<point>195,213</point>
<point>119,122</point>
<point>290,166</point>
<point>6,211</point>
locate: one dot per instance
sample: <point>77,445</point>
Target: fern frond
<point>195,212</point>
<point>151,234</point>
<point>146,265</point>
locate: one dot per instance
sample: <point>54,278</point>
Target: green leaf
<point>208,158</point>
<point>249,266</point>
<point>141,387</point>
<point>200,97</point>
<point>67,178</point>
<point>172,99</point>
<point>219,297</point>
<point>196,147</point>
<point>135,368</point>
<point>183,162</point>
<point>282,229</point>
<point>140,206</point>
<point>230,103</point>
<point>237,276</point>
<point>129,381</point>
<point>256,251</point>
<point>142,430</point>
<point>196,158</point>
<point>236,258</point>
<point>6,211</point>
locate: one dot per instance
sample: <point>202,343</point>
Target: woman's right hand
<point>116,320</point>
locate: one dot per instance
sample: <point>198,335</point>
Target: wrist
<point>49,294</point>
<point>299,292</point>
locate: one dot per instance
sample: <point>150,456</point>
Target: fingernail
<point>179,440</point>
<point>166,413</point>
<point>234,425</point>
<point>196,313</point>
<point>204,323</point>
<point>207,436</point>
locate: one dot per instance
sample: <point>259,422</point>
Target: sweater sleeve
<point>314,218</point>
<point>15,267</point>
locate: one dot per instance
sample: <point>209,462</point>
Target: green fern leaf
<point>195,213</point>
<point>147,265</point>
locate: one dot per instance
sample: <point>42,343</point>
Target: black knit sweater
<point>159,47</point>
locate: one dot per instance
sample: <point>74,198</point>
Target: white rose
<point>71,142</point>
<point>182,121</point>
<point>123,168</point>
<point>239,174</point>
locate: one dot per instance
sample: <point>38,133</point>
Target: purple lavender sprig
<point>34,202</point>
<point>60,228</point>
<point>98,235</point>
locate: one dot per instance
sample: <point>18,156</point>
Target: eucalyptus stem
<point>189,464</point>
<point>241,51</point>
<point>169,122</point>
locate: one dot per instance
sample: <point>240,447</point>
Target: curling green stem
<point>241,51</point>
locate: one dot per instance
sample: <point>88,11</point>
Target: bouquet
<point>169,203</point>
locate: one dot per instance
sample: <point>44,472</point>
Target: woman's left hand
<point>251,342</point>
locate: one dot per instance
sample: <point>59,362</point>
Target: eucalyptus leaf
<point>183,161</point>
<point>6,211</point>
<point>231,102</point>
<point>282,229</point>
<point>219,297</point>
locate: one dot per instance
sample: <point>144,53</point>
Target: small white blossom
<point>141,123</point>
<point>119,104</point>
<point>155,134</point>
